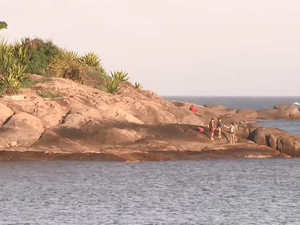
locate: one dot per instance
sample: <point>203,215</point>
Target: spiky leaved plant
<point>68,55</point>
<point>138,85</point>
<point>113,85</point>
<point>121,75</point>
<point>11,70</point>
<point>21,53</point>
<point>66,65</point>
<point>91,59</point>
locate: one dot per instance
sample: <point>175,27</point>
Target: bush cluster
<point>113,82</point>
<point>13,63</point>
<point>36,56</point>
<point>43,57</point>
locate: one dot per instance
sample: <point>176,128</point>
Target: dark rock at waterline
<point>273,137</point>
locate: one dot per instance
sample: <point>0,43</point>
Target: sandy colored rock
<point>273,141</point>
<point>22,128</point>
<point>293,111</point>
<point>5,113</point>
<point>214,106</point>
<point>247,112</point>
<point>185,116</point>
<point>78,118</point>
<point>289,144</point>
<point>281,111</point>
<point>261,135</point>
<point>48,110</point>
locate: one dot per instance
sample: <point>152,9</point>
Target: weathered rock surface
<point>281,111</point>
<point>249,114</point>
<point>132,126</point>
<point>22,129</point>
<point>215,106</point>
<point>280,140</point>
<point>5,113</point>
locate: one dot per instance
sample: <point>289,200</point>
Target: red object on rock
<point>193,109</point>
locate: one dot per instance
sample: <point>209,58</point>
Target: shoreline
<point>146,156</point>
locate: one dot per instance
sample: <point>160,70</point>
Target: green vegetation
<point>43,57</point>
<point>90,59</point>
<point>66,65</point>
<point>114,82</point>
<point>12,67</point>
<point>98,74</point>
<point>29,83</point>
<point>113,85</point>
<point>138,85</point>
<point>50,95</point>
<point>121,75</point>
<point>42,53</point>
<point>3,25</point>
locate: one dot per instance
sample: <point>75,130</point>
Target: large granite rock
<point>5,113</point>
<point>281,111</point>
<point>22,129</point>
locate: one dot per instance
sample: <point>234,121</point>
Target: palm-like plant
<point>11,69</point>
<point>113,85</point>
<point>114,81</point>
<point>121,75</point>
<point>138,85</point>
<point>68,55</point>
<point>21,53</point>
<point>91,59</point>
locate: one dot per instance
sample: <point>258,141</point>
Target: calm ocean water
<point>245,191</point>
<point>238,102</point>
<point>212,192</point>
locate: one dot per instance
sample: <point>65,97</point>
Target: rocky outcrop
<point>250,114</point>
<point>5,113</point>
<point>285,143</point>
<point>215,106</point>
<point>281,111</point>
<point>133,142</point>
<point>22,129</point>
<point>132,126</point>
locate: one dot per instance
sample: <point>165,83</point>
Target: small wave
<point>296,103</point>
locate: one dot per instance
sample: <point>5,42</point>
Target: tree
<point>3,25</point>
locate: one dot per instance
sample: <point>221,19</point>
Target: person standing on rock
<point>211,128</point>
<point>219,128</point>
<point>232,132</point>
<point>193,109</point>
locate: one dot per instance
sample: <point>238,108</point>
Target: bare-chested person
<point>219,128</point>
<point>232,132</point>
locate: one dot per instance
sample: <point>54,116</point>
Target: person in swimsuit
<point>211,128</point>
<point>219,126</point>
<point>232,132</point>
